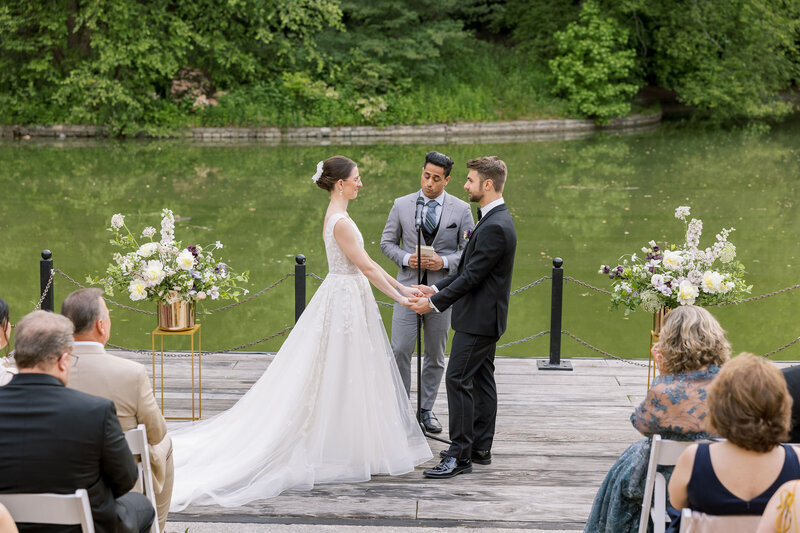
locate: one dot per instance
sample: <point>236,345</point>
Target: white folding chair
<point>694,522</point>
<point>47,508</point>
<point>137,442</point>
<point>654,505</point>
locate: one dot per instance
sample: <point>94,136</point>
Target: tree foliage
<point>594,64</point>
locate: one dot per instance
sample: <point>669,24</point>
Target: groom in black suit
<point>479,292</point>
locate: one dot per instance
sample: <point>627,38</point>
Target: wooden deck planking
<point>557,435</point>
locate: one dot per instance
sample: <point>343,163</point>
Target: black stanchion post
<point>45,266</point>
<point>299,286</point>
<point>556,308</point>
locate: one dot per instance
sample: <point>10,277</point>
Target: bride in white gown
<point>331,407</point>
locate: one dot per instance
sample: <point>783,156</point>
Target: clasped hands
<point>416,298</point>
<point>429,262</point>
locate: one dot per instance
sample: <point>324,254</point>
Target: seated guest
<point>7,524</point>
<point>124,382</point>
<point>55,439</point>
<point>6,368</point>
<point>792,375</point>
<point>748,405</point>
<point>688,354</point>
<point>782,514</point>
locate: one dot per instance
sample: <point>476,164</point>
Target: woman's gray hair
<point>40,338</point>
<point>691,339</point>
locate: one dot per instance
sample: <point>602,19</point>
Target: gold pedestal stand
<point>191,333</point>
<point>658,321</point>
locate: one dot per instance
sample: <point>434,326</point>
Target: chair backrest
<point>695,522</point>
<point>47,508</point>
<point>662,453</point>
<point>137,442</point>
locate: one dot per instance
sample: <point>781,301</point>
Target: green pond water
<point>588,201</point>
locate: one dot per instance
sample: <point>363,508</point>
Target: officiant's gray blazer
<point>399,236</point>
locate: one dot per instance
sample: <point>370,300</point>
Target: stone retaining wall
<point>458,129</point>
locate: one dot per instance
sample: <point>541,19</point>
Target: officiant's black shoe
<point>481,457</point>
<point>449,467</point>
<point>430,422</point>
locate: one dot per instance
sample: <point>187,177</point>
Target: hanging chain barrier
<point>773,352</point>
<point>584,284</point>
<point>54,271</point>
<point>512,343</point>
<point>531,285</point>
<point>46,289</point>
<point>761,297</point>
<point>215,352</point>
<point>598,350</point>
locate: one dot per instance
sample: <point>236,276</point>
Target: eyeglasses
<point>75,358</point>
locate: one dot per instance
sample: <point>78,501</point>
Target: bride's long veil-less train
<point>330,408</point>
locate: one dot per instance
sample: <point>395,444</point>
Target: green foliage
<point>111,61</point>
<point>730,57</point>
<point>534,24</point>
<point>593,68</point>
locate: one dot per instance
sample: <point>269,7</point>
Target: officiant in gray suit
<point>446,220</point>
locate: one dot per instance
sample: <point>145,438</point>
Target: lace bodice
<point>675,406</point>
<point>338,263</point>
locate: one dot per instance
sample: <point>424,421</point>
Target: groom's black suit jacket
<point>55,439</point>
<point>480,288</point>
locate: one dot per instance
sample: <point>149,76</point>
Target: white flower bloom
<point>645,250</point>
<point>138,290</point>
<point>672,260</point>
<point>154,273</point>
<point>727,253</point>
<point>214,292</point>
<point>185,260</point>
<point>318,173</point>
<point>695,276</point>
<point>682,212</point>
<point>147,249</point>
<point>651,302</point>
<point>117,221</point>
<point>218,245</point>
<point>727,286</point>
<point>148,232</point>
<point>657,280</point>
<point>687,293</point>
<point>201,295</point>
<point>634,258</point>
<point>652,244</point>
<point>167,227</point>
<point>665,290</point>
<point>712,282</point>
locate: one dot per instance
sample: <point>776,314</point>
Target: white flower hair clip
<point>318,173</point>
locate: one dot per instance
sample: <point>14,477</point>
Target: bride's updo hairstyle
<point>334,169</point>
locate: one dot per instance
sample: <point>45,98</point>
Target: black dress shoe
<point>481,457</point>
<point>430,422</point>
<point>449,467</point>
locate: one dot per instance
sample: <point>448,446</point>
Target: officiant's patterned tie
<point>430,216</point>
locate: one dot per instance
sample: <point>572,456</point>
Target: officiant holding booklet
<point>446,220</point>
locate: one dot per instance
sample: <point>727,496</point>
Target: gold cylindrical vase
<point>177,316</point>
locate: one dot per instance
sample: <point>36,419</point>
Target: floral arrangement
<point>670,275</point>
<point>165,270</point>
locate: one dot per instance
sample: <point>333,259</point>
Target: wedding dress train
<point>330,408</point>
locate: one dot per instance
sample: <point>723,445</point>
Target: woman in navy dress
<point>690,350</point>
<point>750,407</point>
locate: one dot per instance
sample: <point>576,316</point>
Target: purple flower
<point>656,248</point>
<point>467,234</point>
<point>193,249</point>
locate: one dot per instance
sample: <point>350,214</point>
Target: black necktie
<point>479,214</point>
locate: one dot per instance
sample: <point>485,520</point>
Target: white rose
<point>185,260</point>
<point>657,280</point>
<point>154,273</point>
<point>138,290</point>
<point>147,249</point>
<point>687,293</point>
<point>672,260</point>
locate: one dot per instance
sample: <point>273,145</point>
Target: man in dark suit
<point>55,439</point>
<point>792,375</point>
<point>478,292</point>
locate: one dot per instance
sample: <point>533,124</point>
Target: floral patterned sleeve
<point>675,406</point>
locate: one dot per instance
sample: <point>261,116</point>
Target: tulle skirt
<point>330,408</point>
